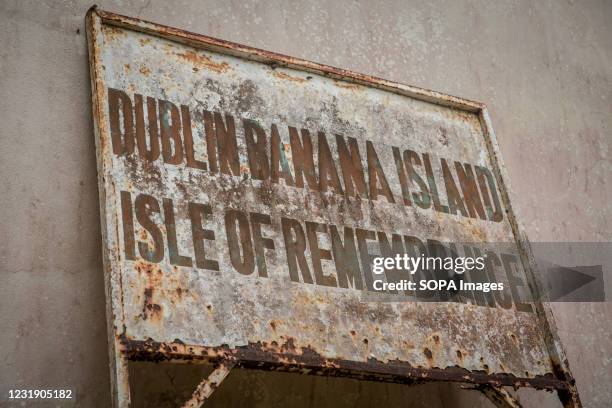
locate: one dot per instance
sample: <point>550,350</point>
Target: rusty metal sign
<point>245,193</point>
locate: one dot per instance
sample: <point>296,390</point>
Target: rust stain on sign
<point>244,195</point>
<point>199,60</point>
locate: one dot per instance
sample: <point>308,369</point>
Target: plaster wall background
<point>543,68</point>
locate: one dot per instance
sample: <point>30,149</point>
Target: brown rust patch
<point>153,280</point>
<point>476,233</point>
<point>348,85</point>
<point>308,361</point>
<point>113,32</point>
<point>144,70</point>
<point>407,345</point>
<point>204,61</point>
<point>150,310</point>
<point>283,75</point>
<point>146,267</point>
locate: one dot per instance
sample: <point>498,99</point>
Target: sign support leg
<point>209,384</point>
<point>499,397</point>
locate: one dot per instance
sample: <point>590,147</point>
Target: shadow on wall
<point>170,385</point>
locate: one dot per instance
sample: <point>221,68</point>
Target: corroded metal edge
<point>120,387</point>
<point>569,396</point>
<point>209,384</point>
<point>303,360</point>
<point>255,54</point>
<point>120,349</point>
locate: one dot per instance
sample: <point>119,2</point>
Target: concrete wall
<point>544,69</point>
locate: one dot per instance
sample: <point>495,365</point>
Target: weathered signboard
<point>244,195</point>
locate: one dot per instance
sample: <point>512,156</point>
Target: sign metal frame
<point>123,349</point>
